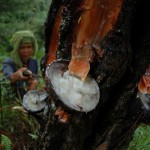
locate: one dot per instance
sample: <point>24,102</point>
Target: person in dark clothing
<point>22,59</point>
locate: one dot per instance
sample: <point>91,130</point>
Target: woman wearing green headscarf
<point>22,60</point>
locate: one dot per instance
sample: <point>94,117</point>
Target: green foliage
<point>141,139</point>
<point>22,127</point>
<point>21,15</point>
<point>17,124</point>
<point>6,142</point>
<point>6,89</point>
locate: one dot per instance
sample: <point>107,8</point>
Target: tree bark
<point>110,41</point>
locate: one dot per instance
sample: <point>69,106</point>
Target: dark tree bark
<point>110,40</point>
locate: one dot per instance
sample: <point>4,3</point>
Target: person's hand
<point>18,75</point>
<point>27,73</point>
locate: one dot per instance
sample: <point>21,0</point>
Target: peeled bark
<point>97,38</point>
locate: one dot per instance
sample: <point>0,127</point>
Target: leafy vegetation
<point>15,125</point>
<point>6,142</point>
<point>18,130</point>
<point>141,139</point>
<point>21,15</point>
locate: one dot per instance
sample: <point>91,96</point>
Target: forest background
<point>19,130</point>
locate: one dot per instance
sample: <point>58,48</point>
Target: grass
<point>141,139</point>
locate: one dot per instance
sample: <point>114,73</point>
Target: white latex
<point>73,92</point>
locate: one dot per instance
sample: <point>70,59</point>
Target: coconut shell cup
<point>34,101</point>
<point>70,92</point>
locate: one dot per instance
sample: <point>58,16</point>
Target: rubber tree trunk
<point>110,41</point>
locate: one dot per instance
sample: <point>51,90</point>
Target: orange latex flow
<point>51,56</point>
<point>63,117</point>
<point>96,20</point>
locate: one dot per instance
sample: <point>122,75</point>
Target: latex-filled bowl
<point>34,100</point>
<point>74,93</point>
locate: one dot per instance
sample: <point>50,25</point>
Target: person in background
<point>22,60</point>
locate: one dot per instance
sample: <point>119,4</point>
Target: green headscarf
<point>16,40</point>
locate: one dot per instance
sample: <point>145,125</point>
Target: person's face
<point>25,52</point>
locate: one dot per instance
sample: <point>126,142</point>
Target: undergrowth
<point>5,142</point>
<point>18,130</point>
<point>16,126</point>
<point>141,139</point>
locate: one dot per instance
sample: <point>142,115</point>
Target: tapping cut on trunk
<point>53,44</point>
<point>88,22</point>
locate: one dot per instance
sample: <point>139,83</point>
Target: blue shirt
<point>9,67</point>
